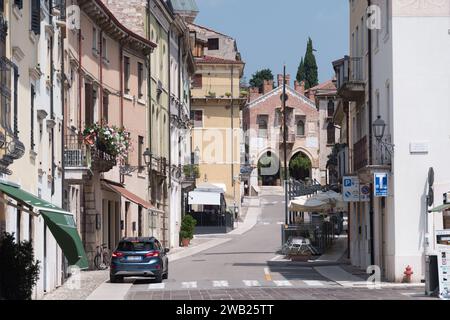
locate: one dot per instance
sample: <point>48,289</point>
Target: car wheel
<point>166,275</point>
<point>115,279</point>
<point>159,278</point>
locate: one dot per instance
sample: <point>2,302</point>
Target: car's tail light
<point>152,254</point>
<point>117,255</point>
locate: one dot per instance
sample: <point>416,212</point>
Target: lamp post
<point>148,158</point>
<point>379,130</point>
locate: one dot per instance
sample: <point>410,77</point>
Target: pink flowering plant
<point>110,139</point>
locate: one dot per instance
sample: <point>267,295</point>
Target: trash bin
<point>431,275</point>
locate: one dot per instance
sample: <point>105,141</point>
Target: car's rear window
<point>135,246</point>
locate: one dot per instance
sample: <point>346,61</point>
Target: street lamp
<point>148,155</point>
<point>379,128</point>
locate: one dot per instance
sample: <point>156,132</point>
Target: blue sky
<point>270,33</point>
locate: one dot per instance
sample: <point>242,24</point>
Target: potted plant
<point>187,230</point>
<point>211,94</point>
<point>228,94</point>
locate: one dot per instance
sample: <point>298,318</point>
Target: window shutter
<point>19,4</point>
<point>198,81</point>
<point>36,16</point>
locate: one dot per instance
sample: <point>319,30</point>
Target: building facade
<point>170,69</point>
<point>263,124</point>
<point>215,112</point>
<point>378,81</point>
<point>106,96</point>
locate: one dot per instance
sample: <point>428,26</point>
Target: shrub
<point>19,272</point>
<point>187,227</point>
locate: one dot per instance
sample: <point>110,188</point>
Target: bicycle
<point>102,258</point>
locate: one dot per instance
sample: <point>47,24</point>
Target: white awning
<point>205,198</point>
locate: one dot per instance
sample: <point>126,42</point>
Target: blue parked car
<point>139,257</point>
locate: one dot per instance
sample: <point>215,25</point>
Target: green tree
<point>308,70</point>
<point>301,71</point>
<point>258,78</point>
<point>19,272</point>
<point>300,167</point>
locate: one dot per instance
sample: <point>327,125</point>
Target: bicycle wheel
<point>98,261</point>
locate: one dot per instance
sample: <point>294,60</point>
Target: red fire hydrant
<point>408,273</point>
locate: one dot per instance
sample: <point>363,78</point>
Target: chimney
<point>267,86</point>
<point>312,95</point>
<point>300,88</point>
<point>254,93</point>
<point>280,80</point>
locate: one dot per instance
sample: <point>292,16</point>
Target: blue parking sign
<point>381,187</point>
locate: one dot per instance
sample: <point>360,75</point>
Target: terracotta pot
<point>185,242</point>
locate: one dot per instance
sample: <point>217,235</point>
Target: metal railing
<point>349,69</point>
<point>76,153</point>
<point>208,219</point>
<point>360,154</point>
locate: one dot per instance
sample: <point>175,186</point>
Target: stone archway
<point>300,166</point>
<point>269,169</point>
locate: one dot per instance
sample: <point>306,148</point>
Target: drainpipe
<point>52,116</point>
<point>347,115</point>
<point>232,140</point>
<point>100,93</point>
<point>80,81</point>
<point>63,129</point>
<point>372,244</point>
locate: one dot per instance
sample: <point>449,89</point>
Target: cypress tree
<point>310,66</point>
<point>301,71</point>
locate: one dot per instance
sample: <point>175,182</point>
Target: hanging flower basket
<point>111,140</point>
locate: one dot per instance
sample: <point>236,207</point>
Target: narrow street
<point>248,267</point>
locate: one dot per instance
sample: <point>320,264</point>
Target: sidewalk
<point>345,274</point>
<point>90,280</point>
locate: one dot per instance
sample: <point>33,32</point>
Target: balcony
<point>350,78</point>
<point>79,159</point>
<point>360,154</point>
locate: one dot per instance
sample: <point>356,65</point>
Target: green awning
<point>60,222</point>
<point>441,208</point>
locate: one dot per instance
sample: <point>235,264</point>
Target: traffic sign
<point>381,187</point>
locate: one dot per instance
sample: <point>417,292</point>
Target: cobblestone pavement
<point>283,294</point>
<point>90,280</point>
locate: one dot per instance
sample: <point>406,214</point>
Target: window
<point>18,3</point>
<point>262,126</point>
<point>105,50</point>
<point>213,44</point>
<point>105,107</point>
<point>89,106</point>
<point>95,40</point>
<point>126,69</point>
<point>36,16</point>
<point>330,108</point>
<point>140,80</point>
<point>197,118</point>
<point>33,96</point>
<point>197,81</point>
<point>331,133</point>
<point>140,153</point>
<point>300,128</point>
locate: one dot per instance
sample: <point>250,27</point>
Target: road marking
<point>267,274</point>
<point>283,283</point>
<point>220,284</point>
<point>251,283</point>
<point>314,283</point>
<point>280,223</point>
<point>276,258</point>
<point>156,286</point>
<point>189,285</point>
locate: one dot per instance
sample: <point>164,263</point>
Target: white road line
<point>276,258</point>
<point>156,286</point>
<point>314,283</point>
<point>220,284</point>
<point>280,223</point>
<point>251,283</point>
<point>189,285</point>
<point>283,283</point>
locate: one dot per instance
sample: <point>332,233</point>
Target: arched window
<point>300,128</point>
